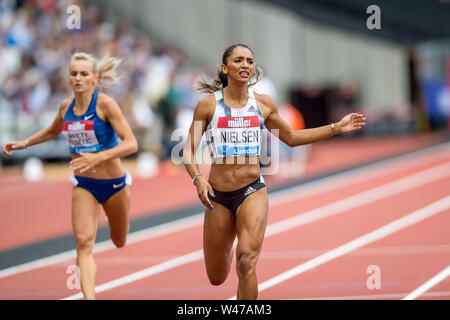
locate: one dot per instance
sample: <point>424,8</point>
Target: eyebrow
<point>242,57</point>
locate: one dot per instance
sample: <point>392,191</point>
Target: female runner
<point>91,122</point>
<point>232,117</point>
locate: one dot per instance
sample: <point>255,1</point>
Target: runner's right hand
<point>203,188</point>
<point>15,145</point>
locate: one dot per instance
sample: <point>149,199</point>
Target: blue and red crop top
<point>88,133</point>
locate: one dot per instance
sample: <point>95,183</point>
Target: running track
<point>321,238</point>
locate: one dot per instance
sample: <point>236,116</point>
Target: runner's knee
<point>245,263</point>
<point>217,276</point>
<point>84,242</point>
<point>217,280</point>
<point>119,241</point>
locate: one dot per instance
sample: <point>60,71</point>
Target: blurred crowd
<point>155,92</point>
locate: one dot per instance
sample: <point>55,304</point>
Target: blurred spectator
<point>156,81</point>
<point>292,160</point>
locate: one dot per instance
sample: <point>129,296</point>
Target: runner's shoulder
<point>206,106</point>
<point>64,106</point>
<point>265,99</point>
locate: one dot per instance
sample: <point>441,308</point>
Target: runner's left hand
<point>351,122</point>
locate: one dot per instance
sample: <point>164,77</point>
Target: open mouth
<point>244,74</point>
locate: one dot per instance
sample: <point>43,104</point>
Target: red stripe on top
<point>238,122</point>
<point>78,125</point>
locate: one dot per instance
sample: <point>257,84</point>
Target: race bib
<point>238,136</point>
<point>81,136</point>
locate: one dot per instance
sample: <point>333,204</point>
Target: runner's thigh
<point>251,221</point>
<point>218,236</point>
<point>85,212</point>
<point>117,209</point>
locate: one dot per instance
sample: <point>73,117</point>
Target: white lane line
<point>399,224</point>
<point>286,254</point>
<point>134,237</point>
<point>167,265</point>
<point>368,172</point>
<point>418,179</point>
<point>380,296</point>
<point>380,251</point>
<point>363,198</point>
<point>429,284</point>
<point>275,198</point>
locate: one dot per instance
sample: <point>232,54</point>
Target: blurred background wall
<point>293,51</point>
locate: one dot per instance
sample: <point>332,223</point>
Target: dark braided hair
<point>220,81</point>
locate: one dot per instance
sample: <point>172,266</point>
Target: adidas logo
<point>252,109</point>
<point>249,190</point>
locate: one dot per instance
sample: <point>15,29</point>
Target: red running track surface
<point>47,204</point>
<point>339,210</point>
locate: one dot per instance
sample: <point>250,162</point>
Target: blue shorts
<point>101,189</point>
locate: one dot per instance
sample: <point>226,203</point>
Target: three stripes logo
<point>252,109</point>
<point>249,191</point>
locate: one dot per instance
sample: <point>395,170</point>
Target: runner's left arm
<point>293,138</point>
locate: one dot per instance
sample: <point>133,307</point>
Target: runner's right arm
<point>196,131</point>
<point>44,135</point>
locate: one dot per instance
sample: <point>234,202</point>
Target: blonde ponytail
<point>105,67</point>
